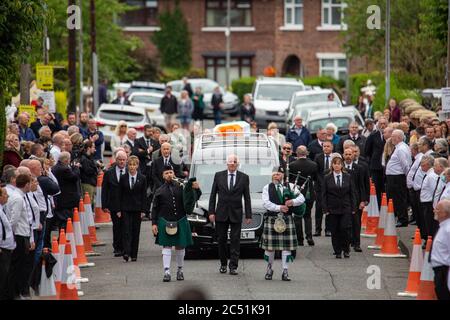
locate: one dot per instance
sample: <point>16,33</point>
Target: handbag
<point>171,228</point>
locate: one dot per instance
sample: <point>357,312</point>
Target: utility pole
<point>80,58</point>
<point>94,58</point>
<point>228,45</point>
<point>25,81</point>
<point>388,51</point>
<point>72,67</point>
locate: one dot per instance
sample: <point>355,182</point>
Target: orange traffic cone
<point>389,248</point>
<point>91,225</point>
<point>100,216</point>
<point>62,243</point>
<point>82,260</point>
<point>70,235</point>
<point>415,268</point>
<point>58,266</point>
<point>373,215</point>
<point>84,219</point>
<point>47,289</point>
<point>68,280</point>
<point>381,224</point>
<point>426,286</point>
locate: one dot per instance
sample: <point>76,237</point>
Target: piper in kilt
<point>171,204</point>
<point>275,203</point>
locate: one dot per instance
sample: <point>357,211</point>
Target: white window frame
<point>332,56</point>
<point>291,25</point>
<point>329,26</point>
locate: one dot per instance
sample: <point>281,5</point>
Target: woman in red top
<point>12,154</point>
<point>396,112</point>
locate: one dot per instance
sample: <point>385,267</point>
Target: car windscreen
<point>146,99</point>
<point>315,125</point>
<point>144,89</point>
<point>260,175</point>
<point>311,98</point>
<point>117,115</point>
<point>277,92</point>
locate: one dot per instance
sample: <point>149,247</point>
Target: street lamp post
<point>388,51</point>
<point>80,48</point>
<point>228,45</point>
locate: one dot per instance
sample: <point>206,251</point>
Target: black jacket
<point>169,105</point>
<point>216,100</point>
<point>360,142</point>
<point>111,190</point>
<point>157,171</point>
<point>229,203</point>
<point>133,200</point>
<point>248,113</point>
<point>374,150</point>
<point>338,200</point>
<point>35,126</point>
<point>88,170</point>
<point>314,149</point>
<point>68,180</point>
<point>306,168</point>
<point>321,171</point>
<point>357,175</point>
<point>144,156</point>
<point>49,188</point>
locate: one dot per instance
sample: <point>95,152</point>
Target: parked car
<point>150,101</point>
<point>305,109</point>
<point>108,115</point>
<point>230,100</point>
<point>271,98</point>
<point>143,86</point>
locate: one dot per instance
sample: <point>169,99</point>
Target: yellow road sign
<point>44,76</point>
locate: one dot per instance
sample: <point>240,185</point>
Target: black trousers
<point>319,216</point>
<point>430,226</point>
<point>356,228</point>
<point>396,190</point>
<point>414,200</point>
<point>235,242</point>
<point>131,232</point>
<point>308,223</point>
<point>18,275</point>
<point>440,283</point>
<point>341,225</point>
<point>378,180</point>
<point>50,224</point>
<point>5,264</point>
<point>117,232</point>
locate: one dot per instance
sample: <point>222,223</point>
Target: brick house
<point>297,37</point>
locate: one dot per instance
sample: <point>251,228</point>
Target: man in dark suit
<point>131,141</point>
<point>305,168</point>
<point>374,152</point>
<point>145,146</point>
<point>354,136</point>
<point>323,161</point>
<point>157,167</point>
<point>111,199</point>
<point>316,146</point>
<point>69,183</point>
<point>230,186</point>
<point>45,119</point>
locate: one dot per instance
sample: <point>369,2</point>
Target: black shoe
<point>223,269</point>
<point>317,234</point>
<point>328,233</point>
<point>126,257</point>
<point>310,242</point>
<point>285,276</point>
<point>357,249</point>
<point>269,274</point>
<point>346,254</point>
<point>118,254</point>
<point>401,225</point>
<point>133,259</point>
<point>338,256</point>
<point>413,223</point>
<point>166,277</point>
<point>233,272</point>
<point>300,243</point>
<point>180,276</point>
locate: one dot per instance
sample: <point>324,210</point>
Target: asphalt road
<point>315,274</point>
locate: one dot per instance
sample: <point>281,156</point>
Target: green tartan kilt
<point>272,240</point>
<point>183,238</point>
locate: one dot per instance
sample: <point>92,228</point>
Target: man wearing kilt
<point>171,204</point>
<point>277,205</point>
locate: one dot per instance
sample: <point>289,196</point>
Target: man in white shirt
<point>7,245</point>
<point>440,253</point>
<point>396,170</point>
<point>58,146</point>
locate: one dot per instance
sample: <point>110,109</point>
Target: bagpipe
<point>190,195</point>
<point>292,191</point>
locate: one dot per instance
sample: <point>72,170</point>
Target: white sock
<point>180,258</point>
<point>269,256</point>
<point>284,258</point>
<point>167,256</point>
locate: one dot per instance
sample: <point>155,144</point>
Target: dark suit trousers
<point>430,226</point>
<point>308,223</point>
<point>440,282</point>
<point>5,263</point>
<point>319,216</point>
<point>235,240</point>
<point>18,275</point>
<point>117,232</point>
<point>131,232</point>
<point>414,200</point>
<point>378,180</point>
<point>396,190</point>
<point>340,225</point>
<point>50,223</point>
<point>356,228</point>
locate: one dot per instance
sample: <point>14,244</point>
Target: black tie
<point>166,162</point>
<point>338,181</point>
<point>3,227</point>
<point>327,162</point>
<point>132,182</point>
<point>148,143</point>
<point>435,188</point>
<point>31,207</point>
<point>442,192</point>
<point>121,172</point>
<point>231,180</point>
<point>349,168</point>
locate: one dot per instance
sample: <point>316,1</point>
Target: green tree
<point>21,21</point>
<point>173,40</point>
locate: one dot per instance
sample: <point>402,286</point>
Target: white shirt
<point>340,178</point>
<point>131,142</point>
<point>348,166</point>
<point>118,172</point>
<point>229,178</point>
<point>9,243</point>
<point>55,151</point>
<point>445,193</point>
<point>413,170</point>
<point>440,254</point>
<point>430,186</point>
<point>18,215</point>
<point>135,180</point>
<point>33,210</point>
<point>400,160</point>
<point>275,207</point>
<point>116,142</point>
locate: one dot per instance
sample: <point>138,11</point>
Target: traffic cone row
<point>373,215</point>
<point>381,224</point>
<point>415,268</point>
<point>91,225</point>
<point>84,219</point>
<point>100,216</point>
<point>426,286</point>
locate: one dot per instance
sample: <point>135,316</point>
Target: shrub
<point>169,74</point>
<point>395,92</point>
<point>242,86</point>
<point>359,80</point>
<point>324,82</point>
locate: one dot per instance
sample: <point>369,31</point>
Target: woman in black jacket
<point>88,169</point>
<point>339,202</point>
<point>247,110</point>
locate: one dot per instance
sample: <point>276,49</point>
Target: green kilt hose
<point>183,237</point>
<point>272,240</point>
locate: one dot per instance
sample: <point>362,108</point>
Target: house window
<point>240,13</point>
<point>293,12</point>
<point>216,68</point>
<point>333,12</point>
<point>143,13</point>
<point>333,67</point>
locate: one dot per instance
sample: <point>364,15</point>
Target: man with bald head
<point>158,165</point>
<point>111,199</point>
<point>25,132</point>
<point>58,146</point>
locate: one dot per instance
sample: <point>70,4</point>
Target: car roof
<point>145,84</point>
<point>148,94</point>
<point>121,107</point>
<point>281,81</point>
<point>332,113</point>
<point>313,92</point>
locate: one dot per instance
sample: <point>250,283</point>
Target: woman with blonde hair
<point>120,135</point>
<point>12,153</point>
<point>274,132</point>
<point>331,133</point>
